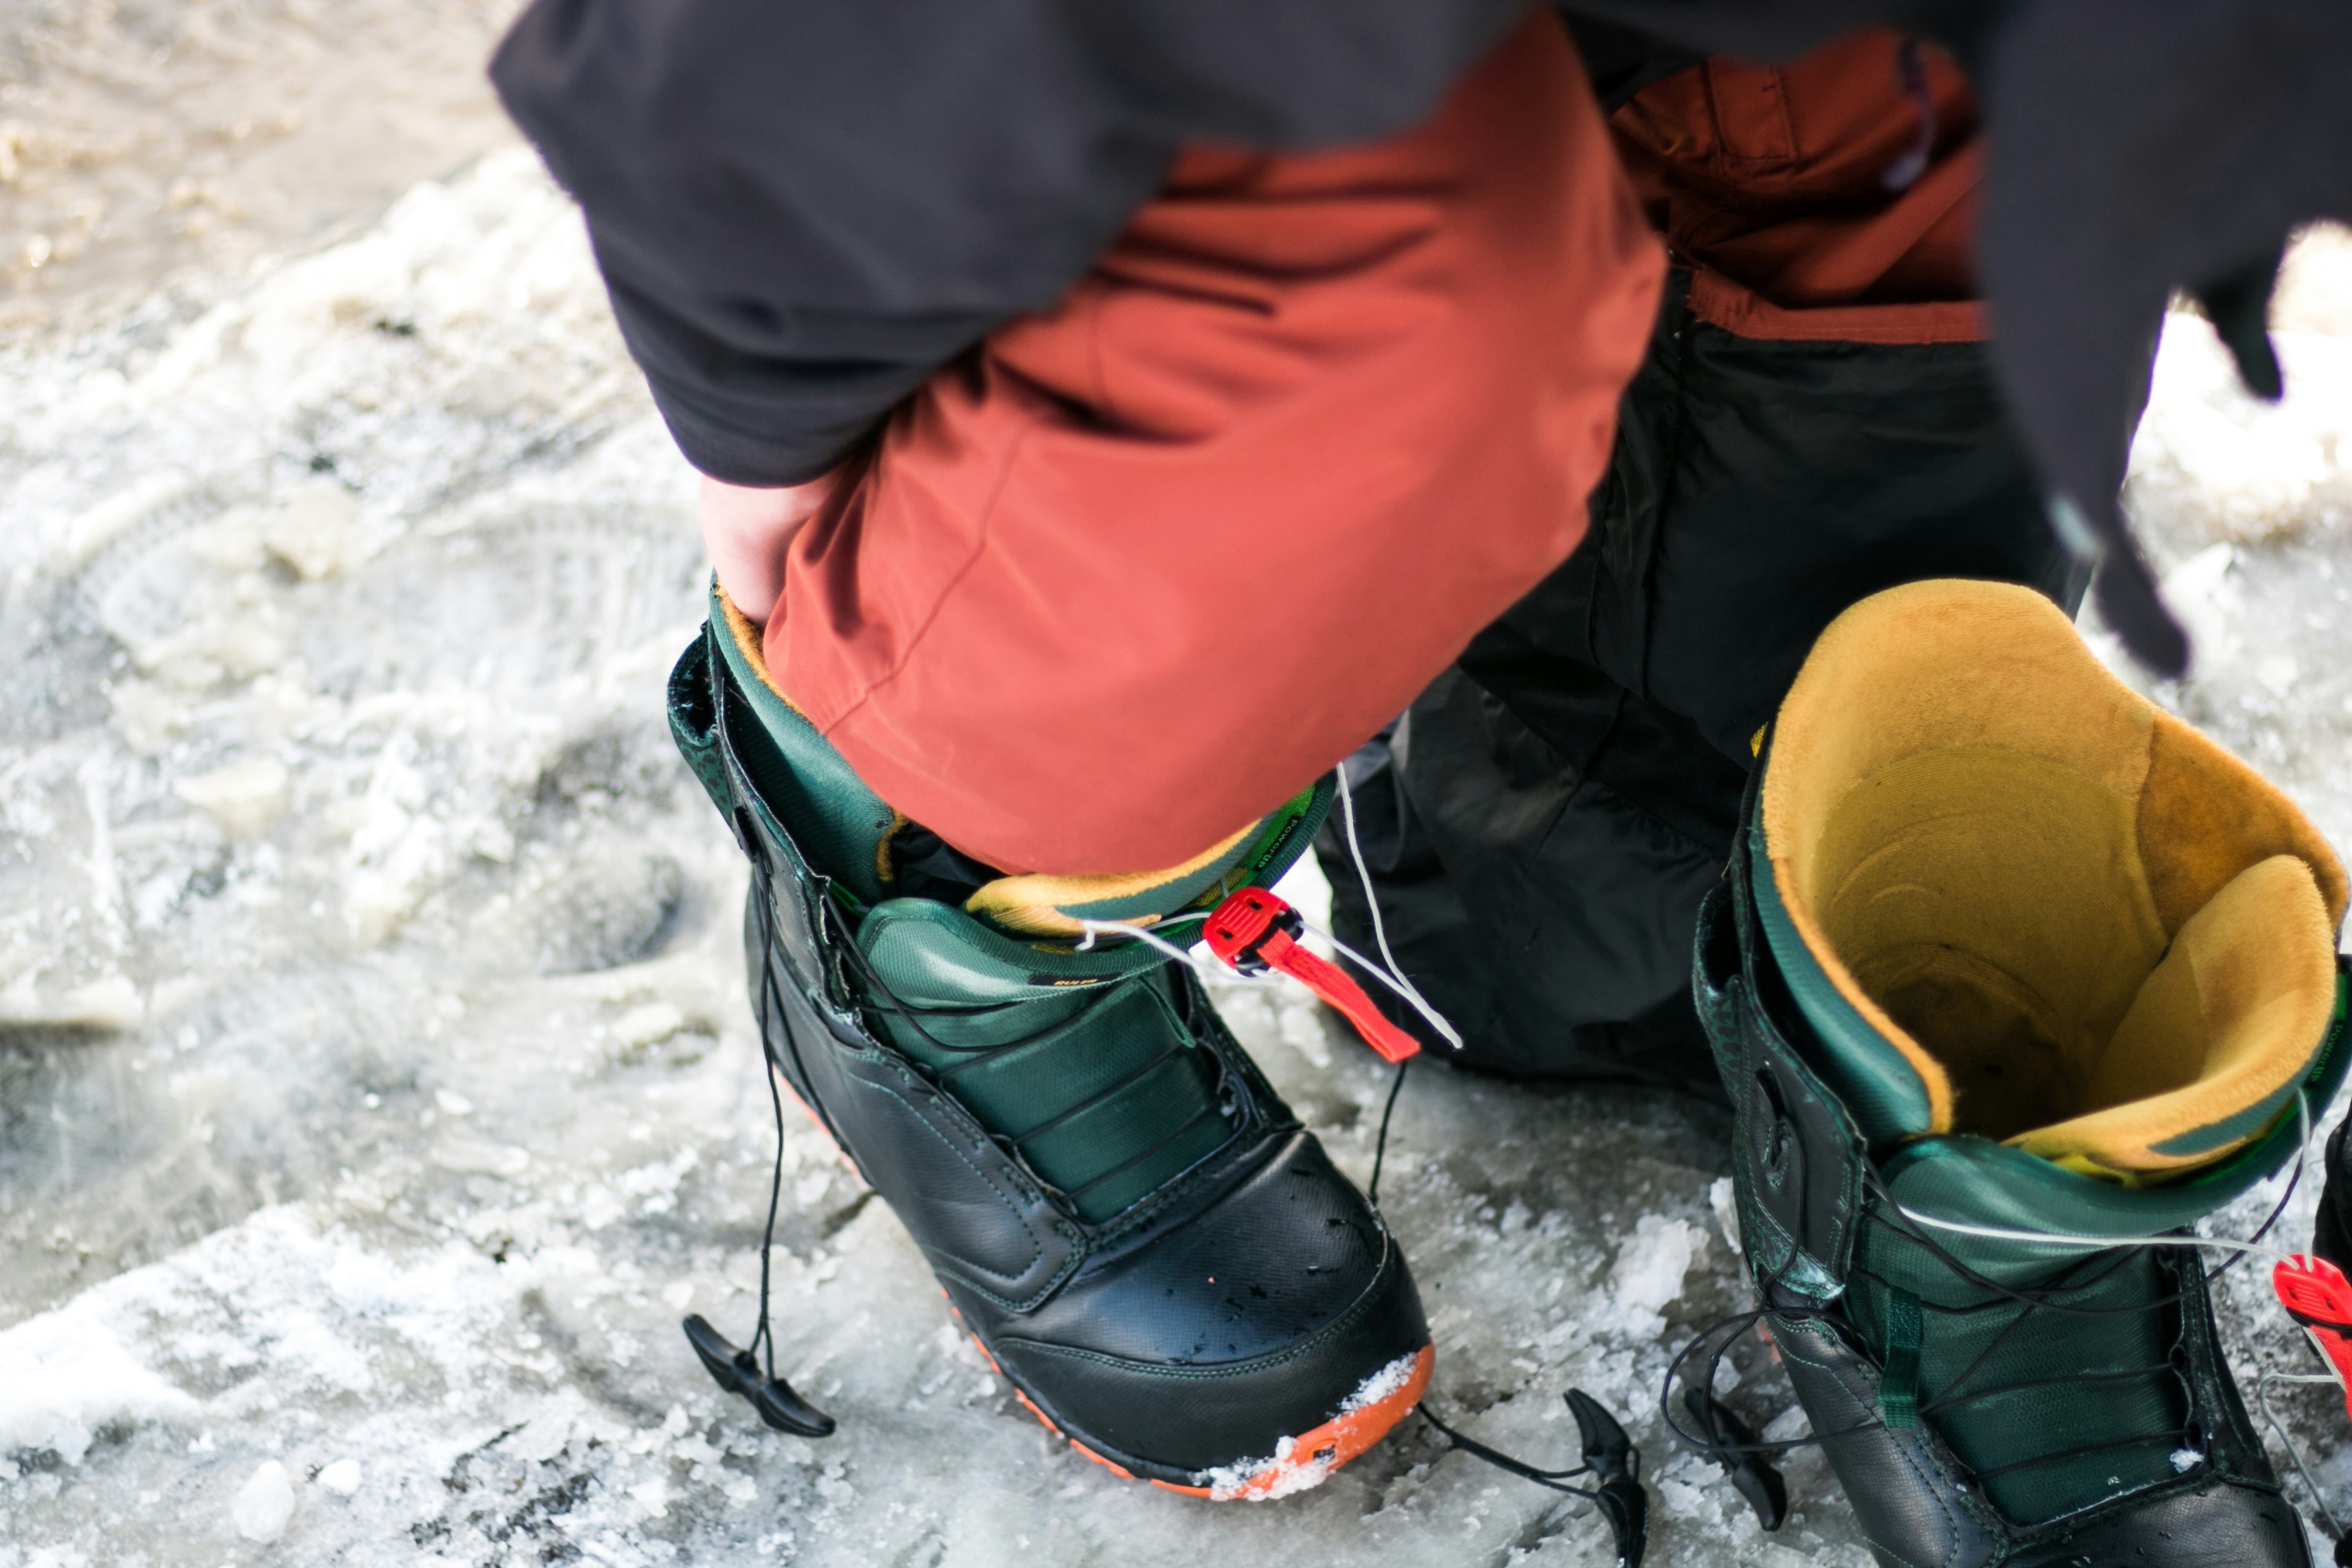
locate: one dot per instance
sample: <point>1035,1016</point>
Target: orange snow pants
<point>1139,568</point>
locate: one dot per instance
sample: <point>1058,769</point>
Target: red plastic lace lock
<point>1245,923</point>
<point>1257,929</point>
<point>2315,1294</point>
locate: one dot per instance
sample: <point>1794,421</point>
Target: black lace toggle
<point>1611,1458</point>
<point>1731,1444</point>
<point>739,1371</point>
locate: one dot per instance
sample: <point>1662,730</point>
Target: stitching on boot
<point>1864,1401</point>
<point>1357,1310</point>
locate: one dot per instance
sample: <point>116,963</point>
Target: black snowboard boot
<point>1139,1234</point>
<point>2012,978</point>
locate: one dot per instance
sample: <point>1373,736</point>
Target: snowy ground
<point>376,1090</point>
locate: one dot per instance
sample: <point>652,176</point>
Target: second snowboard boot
<point>1139,1234</point>
<point>2010,973</point>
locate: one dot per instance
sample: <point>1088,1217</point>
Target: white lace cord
<point>1395,981</point>
<point>1095,929</point>
<point>1392,977</point>
<point>1210,969</point>
<point>2262,1384</point>
<point>2102,1244</point>
<point>2293,1450</point>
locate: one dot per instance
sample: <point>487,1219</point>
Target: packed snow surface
<point>376,1086</point>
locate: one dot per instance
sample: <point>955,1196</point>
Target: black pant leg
<point>1562,800</point>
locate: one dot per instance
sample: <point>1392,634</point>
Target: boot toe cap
<point>2219,1524</point>
<point>1275,1312</point>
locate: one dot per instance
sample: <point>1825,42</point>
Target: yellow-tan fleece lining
<point>746,636</point>
<point>1033,904</point>
<point>2088,928</point>
<point>1025,904</point>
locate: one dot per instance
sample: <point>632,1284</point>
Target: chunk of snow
<point>109,1001</point>
<point>316,531</point>
<point>1651,1262</point>
<point>265,1504</point>
<point>243,798</point>
<point>1723,1198</point>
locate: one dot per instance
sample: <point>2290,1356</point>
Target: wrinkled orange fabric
<point>1143,566</point>
<point>1771,183</point>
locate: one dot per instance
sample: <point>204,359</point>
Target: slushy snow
<point>376,1086</point>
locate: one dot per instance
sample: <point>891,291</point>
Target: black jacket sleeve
<point>803,207</point>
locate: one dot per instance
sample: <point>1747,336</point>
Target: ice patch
<point>64,1377</point>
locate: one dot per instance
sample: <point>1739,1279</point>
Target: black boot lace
<point>1744,1457</point>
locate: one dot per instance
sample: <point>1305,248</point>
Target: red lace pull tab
<point>2315,1294</point>
<point>1256,930</point>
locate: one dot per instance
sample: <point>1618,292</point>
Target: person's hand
<point>747,531</point>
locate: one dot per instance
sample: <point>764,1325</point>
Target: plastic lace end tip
<point>1627,1507</point>
<point>1606,1448</point>
<point>1750,1476</point>
<point>720,1356</point>
<point>1611,1455</point>
<point>787,1411</point>
<point>737,1370</point>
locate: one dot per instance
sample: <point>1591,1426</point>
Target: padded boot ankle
<point>2009,973</point>
<point>1139,1234</point>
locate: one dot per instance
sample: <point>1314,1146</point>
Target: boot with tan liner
<point>2012,978</point>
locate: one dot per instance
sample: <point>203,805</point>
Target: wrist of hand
<point>747,531</point>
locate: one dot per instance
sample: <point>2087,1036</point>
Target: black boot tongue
<point>738,1372</point>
